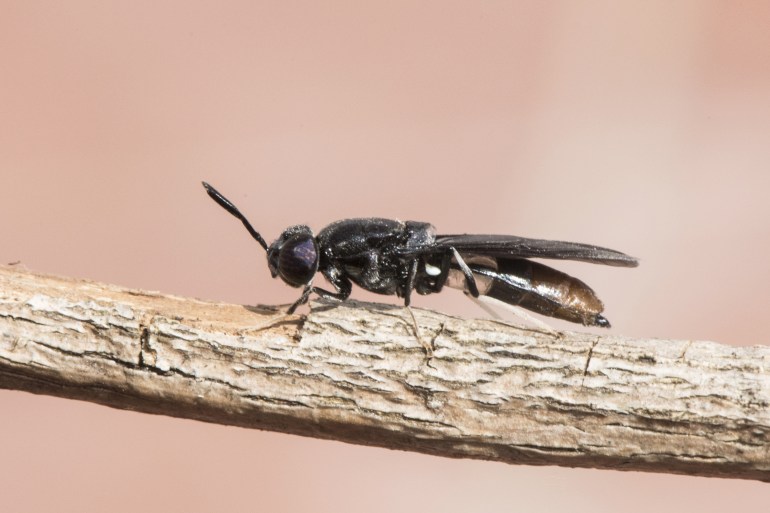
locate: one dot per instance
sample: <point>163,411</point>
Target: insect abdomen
<point>544,290</point>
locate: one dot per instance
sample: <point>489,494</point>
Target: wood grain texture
<point>355,372</point>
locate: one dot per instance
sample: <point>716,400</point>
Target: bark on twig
<point>355,372</point>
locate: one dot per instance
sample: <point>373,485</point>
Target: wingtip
<point>623,260</point>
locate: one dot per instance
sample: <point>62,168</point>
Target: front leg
<point>343,287</point>
<point>341,283</point>
<point>302,299</point>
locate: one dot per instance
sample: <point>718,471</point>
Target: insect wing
<point>510,246</point>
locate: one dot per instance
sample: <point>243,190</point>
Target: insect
<point>386,256</point>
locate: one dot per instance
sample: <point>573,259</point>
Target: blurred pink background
<point>641,126</point>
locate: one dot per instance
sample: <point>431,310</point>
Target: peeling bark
<point>355,372</point>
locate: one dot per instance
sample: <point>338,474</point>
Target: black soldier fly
<point>386,256</point>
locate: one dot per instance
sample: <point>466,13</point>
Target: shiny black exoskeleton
<point>386,256</point>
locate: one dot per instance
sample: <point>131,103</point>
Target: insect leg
<point>470,281</point>
<point>343,286</point>
<point>427,346</point>
<point>302,299</point>
<point>410,276</point>
<point>341,283</point>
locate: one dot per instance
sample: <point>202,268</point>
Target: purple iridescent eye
<point>298,260</point>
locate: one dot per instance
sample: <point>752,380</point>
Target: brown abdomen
<point>542,289</point>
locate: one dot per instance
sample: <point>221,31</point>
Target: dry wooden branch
<point>355,372</point>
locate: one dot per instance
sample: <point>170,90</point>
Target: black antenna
<point>227,205</point>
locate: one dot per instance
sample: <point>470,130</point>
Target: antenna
<point>227,205</point>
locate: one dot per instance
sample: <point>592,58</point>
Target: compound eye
<point>298,260</point>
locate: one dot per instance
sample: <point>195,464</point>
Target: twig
<point>355,372</point>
